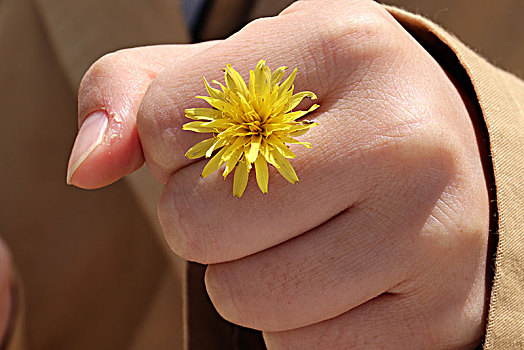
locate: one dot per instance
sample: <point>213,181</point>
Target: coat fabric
<point>93,269</point>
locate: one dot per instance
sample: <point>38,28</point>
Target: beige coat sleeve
<point>500,97</point>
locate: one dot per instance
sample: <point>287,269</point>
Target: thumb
<point>107,146</point>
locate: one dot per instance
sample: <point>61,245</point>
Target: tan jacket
<point>95,271</point>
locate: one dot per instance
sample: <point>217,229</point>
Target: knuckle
<point>111,66</point>
<point>227,295</point>
<point>258,25</point>
<point>101,68</point>
<point>183,234</point>
<point>154,120</point>
<point>294,7</point>
<point>363,31</point>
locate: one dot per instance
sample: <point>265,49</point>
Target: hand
<point>382,243</point>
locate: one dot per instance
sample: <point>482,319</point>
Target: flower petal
<point>286,85</point>
<point>214,164</point>
<point>297,98</point>
<point>202,113</point>
<point>217,103</point>
<point>277,75</point>
<point>197,127</point>
<point>265,150</point>
<point>252,91</point>
<point>283,100</point>
<point>217,145</point>
<point>232,162</point>
<point>298,133</point>
<point>280,146</point>
<point>284,167</point>
<point>262,173</point>
<point>213,93</point>
<point>252,153</point>
<point>270,128</point>
<point>260,78</point>
<point>292,116</point>
<point>235,81</point>
<point>291,140</point>
<point>303,125</point>
<point>218,124</point>
<point>239,143</point>
<point>200,149</point>
<point>241,177</point>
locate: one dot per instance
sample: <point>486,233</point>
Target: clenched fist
<point>382,243</point>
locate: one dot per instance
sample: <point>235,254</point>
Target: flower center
<point>255,126</point>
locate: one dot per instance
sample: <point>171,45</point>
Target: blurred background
<point>95,269</point>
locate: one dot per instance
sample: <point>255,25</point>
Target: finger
<point>390,321</point>
<point>107,146</point>
<point>286,287</point>
<point>363,252</point>
<point>202,221</point>
<point>318,50</point>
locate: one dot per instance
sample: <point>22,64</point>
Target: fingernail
<point>91,135</point>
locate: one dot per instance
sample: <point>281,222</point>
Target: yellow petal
<point>252,91</point>
<point>238,143</point>
<point>286,85</point>
<point>235,81</point>
<point>262,173</point>
<point>297,98</point>
<point>292,116</point>
<point>200,149</point>
<point>260,78</point>
<point>218,124</point>
<point>280,105</point>
<point>265,150</point>
<point>232,162</point>
<point>214,164</point>
<point>298,133</point>
<point>284,167</point>
<point>213,93</point>
<point>303,125</point>
<point>280,146</point>
<point>291,140</point>
<point>215,102</point>
<point>197,127</point>
<point>217,145</point>
<point>234,131</point>
<point>202,113</point>
<point>224,88</point>
<point>270,128</point>
<point>240,179</point>
<point>277,75</point>
<point>252,153</point>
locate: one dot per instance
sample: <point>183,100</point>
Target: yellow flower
<point>251,124</point>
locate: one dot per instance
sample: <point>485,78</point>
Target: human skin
<point>382,243</point>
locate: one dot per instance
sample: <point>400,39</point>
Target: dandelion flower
<point>251,125</point>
